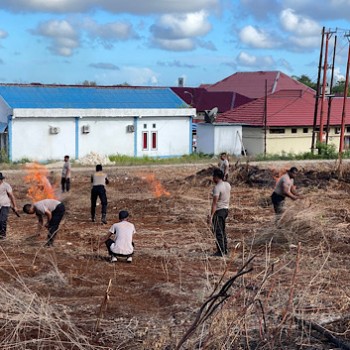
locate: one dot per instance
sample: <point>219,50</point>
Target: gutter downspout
<point>77,137</point>
<point>135,136</point>
<point>9,137</point>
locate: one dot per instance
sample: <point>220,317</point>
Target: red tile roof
<point>285,108</point>
<point>252,84</point>
<point>203,100</point>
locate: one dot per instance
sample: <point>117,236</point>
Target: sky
<point>155,42</point>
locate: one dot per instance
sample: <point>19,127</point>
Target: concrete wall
<point>107,136</point>
<point>287,142</point>
<point>174,136</point>
<point>30,137</point>
<point>216,138</point>
<point>253,140</point>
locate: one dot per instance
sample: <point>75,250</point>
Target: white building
<point>219,137</point>
<point>45,122</point>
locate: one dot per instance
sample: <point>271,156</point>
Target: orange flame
<point>39,185</point>
<point>157,188</point>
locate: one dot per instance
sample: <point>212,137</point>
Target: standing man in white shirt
<point>219,211</point>
<point>7,200</point>
<point>66,172</point>
<point>122,245</point>
<point>224,165</point>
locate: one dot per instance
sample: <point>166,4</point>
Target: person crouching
<point>122,245</point>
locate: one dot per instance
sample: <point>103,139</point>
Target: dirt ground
<point>300,275</point>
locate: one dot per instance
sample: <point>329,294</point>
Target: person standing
<point>53,210</point>
<point>219,211</point>
<point>7,200</point>
<point>66,172</point>
<point>99,179</point>
<point>224,165</point>
<point>284,188</point>
<point>122,245</point>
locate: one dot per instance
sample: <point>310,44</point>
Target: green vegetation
<point>127,160</point>
<point>323,152</point>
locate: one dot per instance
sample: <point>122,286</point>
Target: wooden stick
<point>342,344</point>
<point>103,305</point>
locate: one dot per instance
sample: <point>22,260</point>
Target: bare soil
<point>300,268</point>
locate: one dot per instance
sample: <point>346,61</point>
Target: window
<point>294,130</point>
<point>348,129</point>
<point>305,130</point>
<point>337,130</point>
<point>154,140</point>
<point>277,131</point>
<point>145,126</point>
<point>154,126</point>
<point>145,141</point>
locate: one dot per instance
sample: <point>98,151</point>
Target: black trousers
<point>218,224</point>
<point>4,212</point>
<point>54,223</point>
<point>109,242</point>
<point>98,192</point>
<point>65,184</point>
<point>278,202</point>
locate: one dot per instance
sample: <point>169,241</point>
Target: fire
<point>39,185</point>
<point>157,188</point>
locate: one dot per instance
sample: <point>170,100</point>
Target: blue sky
<point>154,42</point>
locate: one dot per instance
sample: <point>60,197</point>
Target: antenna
<point>210,115</point>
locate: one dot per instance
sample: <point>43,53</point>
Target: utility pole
<point>317,93</point>
<point>265,119</point>
<point>330,96</point>
<point>342,131</point>
<point>324,84</point>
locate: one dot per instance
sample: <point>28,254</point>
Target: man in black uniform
<point>99,180</point>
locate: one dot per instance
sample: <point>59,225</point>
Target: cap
<point>1,176</point>
<point>123,214</point>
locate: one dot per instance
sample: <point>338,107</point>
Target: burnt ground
<point>300,268</point>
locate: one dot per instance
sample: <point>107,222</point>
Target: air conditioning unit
<point>54,130</point>
<point>85,129</point>
<point>130,128</point>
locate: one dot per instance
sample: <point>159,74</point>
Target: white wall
<point>205,138</point>
<point>173,135</point>
<point>31,138</point>
<point>216,138</point>
<point>227,139</point>
<point>107,136</point>
<point>253,140</point>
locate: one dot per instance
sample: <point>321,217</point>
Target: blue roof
<point>79,97</point>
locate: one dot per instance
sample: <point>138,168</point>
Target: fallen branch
<point>342,344</point>
<point>213,302</point>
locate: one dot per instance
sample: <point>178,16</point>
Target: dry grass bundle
<point>31,322</point>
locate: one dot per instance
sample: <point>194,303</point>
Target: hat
<point>1,176</point>
<point>123,214</point>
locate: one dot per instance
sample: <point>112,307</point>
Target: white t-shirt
<point>222,190</point>
<point>5,201</point>
<point>224,166</point>
<point>45,204</point>
<point>124,232</point>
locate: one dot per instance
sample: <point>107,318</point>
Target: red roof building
<point>258,84</point>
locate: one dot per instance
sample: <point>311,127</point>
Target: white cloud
<point>104,65</point>
<point>179,32</point>
<point>260,9</point>
<point>299,25</point>
<point>182,26</point>
<point>338,76</point>
<point>136,76</point>
<point>175,45</point>
<point>109,33</point>
<point>3,34</point>
<point>114,6</point>
<point>258,38</point>
<point>64,38</point>
<point>247,60</point>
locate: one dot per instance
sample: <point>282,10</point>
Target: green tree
<point>89,83</point>
<point>305,80</point>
